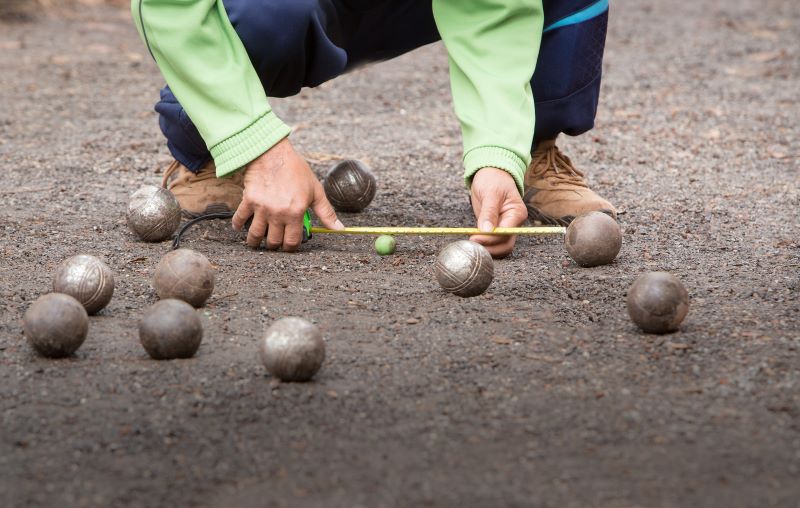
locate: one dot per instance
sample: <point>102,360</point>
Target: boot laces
<point>169,172</point>
<point>551,164</point>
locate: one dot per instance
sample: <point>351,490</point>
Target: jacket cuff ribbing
<point>248,144</point>
<point>494,157</point>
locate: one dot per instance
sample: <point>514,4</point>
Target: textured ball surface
<point>464,268</point>
<point>186,275</point>
<point>593,239</point>
<point>56,325</point>
<point>292,349</point>
<point>153,213</point>
<point>350,186</point>
<point>87,279</point>
<point>658,302</point>
<point>170,329</point>
<point>385,245</point>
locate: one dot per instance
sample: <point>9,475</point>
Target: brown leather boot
<point>555,192</point>
<point>202,192</point>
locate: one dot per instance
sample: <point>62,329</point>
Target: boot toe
<point>560,209</point>
<point>202,192</point>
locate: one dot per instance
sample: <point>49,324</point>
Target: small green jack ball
<point>385,244</point>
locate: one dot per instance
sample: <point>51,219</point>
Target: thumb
<point>490,212</point>
<point>324,210</point>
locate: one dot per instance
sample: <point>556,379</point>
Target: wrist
<point>495,178</point>
<point>494,157</point>
<point>244,147</point>
<point>275,153</point>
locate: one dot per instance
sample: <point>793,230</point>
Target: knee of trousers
<point>566,83</point>
<point>288,42</point>
<point>183,139</point>
<point>570,58</point>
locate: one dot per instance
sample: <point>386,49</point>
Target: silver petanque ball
<point>464,268</point>
<point>87,279</point>
<point>292,349</point>
<point>350,186</point>
<point>657,302</point>
<point>56,325</point>
<point>185,274</point>
<point>153,213</point>
<point>170,329</point>
<point>593,239</point>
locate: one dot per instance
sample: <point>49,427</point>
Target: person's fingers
<point>243,213</point>
<point>292,236</point>
<point>498,249</point>
<point>255,234</point>
<point>275,236</point>
<point>513,215</point>
<point>487,240</point>
<point>508,217</point>
<point>475,202</point>
<point>490,212</point>
<point>504,249</point>
<point>324,210</point>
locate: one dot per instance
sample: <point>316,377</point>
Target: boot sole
<point>535,215</point>
<point>212,208</point>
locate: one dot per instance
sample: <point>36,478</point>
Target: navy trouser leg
<point>183,139</point>
<point>303,43</point>
<point>566,83</point>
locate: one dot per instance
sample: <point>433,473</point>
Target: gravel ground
<point>538,393</point>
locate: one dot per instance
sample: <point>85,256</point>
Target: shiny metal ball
<point>464,268</point>
<point>55,325</point>
<point>593,239</point>
<point>184,274</point>
<point>87,279</point>
<point>170,329</point>
<point>292,349</point>
<point>153,213</point>
<point>350,186</point>
<point>658,302</point>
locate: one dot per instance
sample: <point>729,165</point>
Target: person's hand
<point>496,203</point>
<point>278,189</point>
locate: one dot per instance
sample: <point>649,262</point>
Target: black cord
<point>176,244</point>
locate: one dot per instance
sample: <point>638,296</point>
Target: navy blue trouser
<point>303,43</point>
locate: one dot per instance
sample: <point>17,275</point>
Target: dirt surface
<point>539,393</point>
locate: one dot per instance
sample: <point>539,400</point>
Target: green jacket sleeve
<point>493,46</point>
<point>207,67</point>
